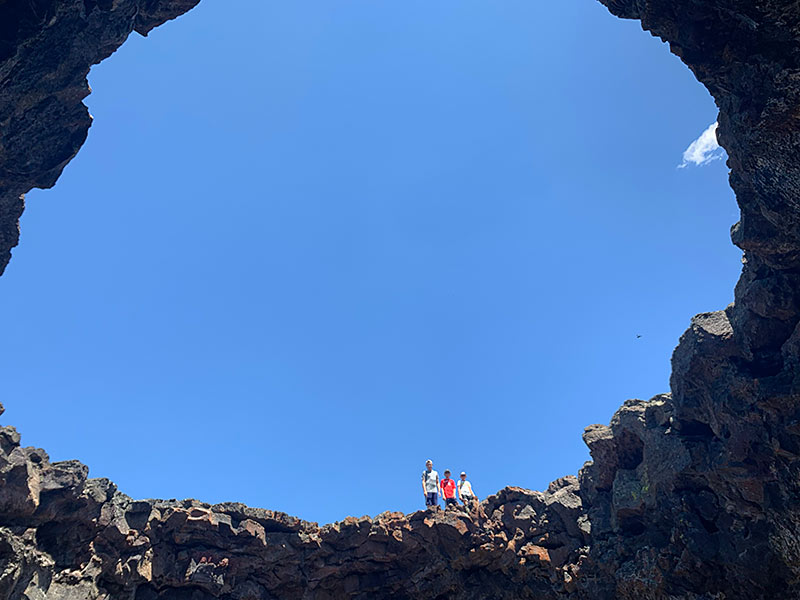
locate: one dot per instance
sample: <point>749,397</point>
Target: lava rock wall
<point>63,536</point>
<point>46,50</point>
<point>711,511</point>
<point>693,494</point>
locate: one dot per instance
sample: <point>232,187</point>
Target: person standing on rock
<point>465,492</point>
<point>430,485</point>
<point>448,490</point>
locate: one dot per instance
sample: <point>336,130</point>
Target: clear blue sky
<point>310,244</point>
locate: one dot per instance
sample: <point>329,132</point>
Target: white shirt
<point>432,481</point>
<point>465,488</point>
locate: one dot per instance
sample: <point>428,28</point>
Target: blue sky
<point>310,244</point>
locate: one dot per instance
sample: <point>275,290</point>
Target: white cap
<point>463,472</point>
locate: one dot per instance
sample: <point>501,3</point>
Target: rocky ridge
<point>66,536</point>
<point>692,494</point>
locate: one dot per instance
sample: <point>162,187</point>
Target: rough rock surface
<point>46,50</point>
<point>692,494</point>
<point>65,536</point>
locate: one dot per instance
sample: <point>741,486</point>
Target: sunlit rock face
<point>68,537</point>
<point>693,494</point>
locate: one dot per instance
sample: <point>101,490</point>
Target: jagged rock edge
<point>692,494</point>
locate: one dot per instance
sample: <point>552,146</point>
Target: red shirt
<point>448,488</point>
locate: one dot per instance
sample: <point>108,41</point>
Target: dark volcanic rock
<point>65,536</point>
<point>712,509</point>
<point>46,50</point>
<point>692,494</point>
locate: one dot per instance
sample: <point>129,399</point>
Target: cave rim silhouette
<point>167,34</point>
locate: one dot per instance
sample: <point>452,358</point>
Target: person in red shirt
<point>448,490</point>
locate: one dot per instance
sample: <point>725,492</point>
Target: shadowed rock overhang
<point>693,494</point>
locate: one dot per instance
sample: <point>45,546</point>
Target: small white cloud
<point>703,150</point>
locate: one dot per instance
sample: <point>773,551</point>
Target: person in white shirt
<point>465,492</point>
<point>430,485</point>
